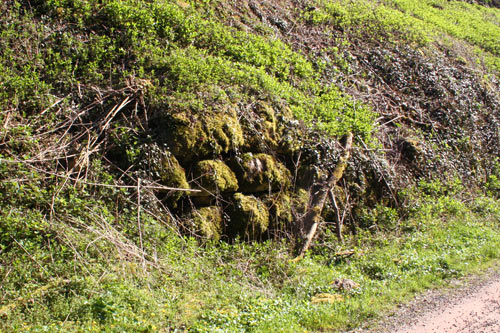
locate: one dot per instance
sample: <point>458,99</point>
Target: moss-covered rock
<point>272,128</point>
<point>285,208</point>
<point>280,209</point>
<point>172,174</point>
<point>196,135</point>
<point>214,176</point>
<point>261,127</point>
<point>207,222</point>
<point>249,217</point>
<point>291,140</point>
<point>260,173</point>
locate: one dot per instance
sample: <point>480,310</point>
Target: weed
<point>85,248</point>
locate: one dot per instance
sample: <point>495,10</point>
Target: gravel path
<point>472,305</point>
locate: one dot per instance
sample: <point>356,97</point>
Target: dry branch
<point>338,220</point>
<point>143,186</point>
<point>319,192</point>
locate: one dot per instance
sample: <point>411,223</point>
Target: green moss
<point>249,216</point>
<point>215,176</point>
<point>292,138</point>
<point>261,172</point>
<point>301,200</point>
<point>280,207</point>
<point>263,128</point>
<point>419,22</point>
<point>193,135</point>
<point>208,222</point>
<point>172,174</point>
<point>285,208</point>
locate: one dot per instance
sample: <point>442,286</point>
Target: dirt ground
<point>470,305</point>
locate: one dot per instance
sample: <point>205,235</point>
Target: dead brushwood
<point>309,222</point>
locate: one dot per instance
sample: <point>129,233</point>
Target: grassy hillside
<point>156,157</point>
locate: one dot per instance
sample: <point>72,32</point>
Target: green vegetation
<point>208,222</point>
<point>419,22</point>
<point>174,49</point>
<point>254,287</point>
<point>155,157</point>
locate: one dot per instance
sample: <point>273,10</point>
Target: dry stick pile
<point>62,153</point>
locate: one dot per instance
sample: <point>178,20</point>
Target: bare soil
<point>469,305</point>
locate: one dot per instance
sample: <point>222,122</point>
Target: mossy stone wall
<point>249,216</point>
<point>207,222</point>
<point>214,176</point>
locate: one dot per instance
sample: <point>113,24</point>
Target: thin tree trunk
<point>338,220</point>
<point>319,193</point>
